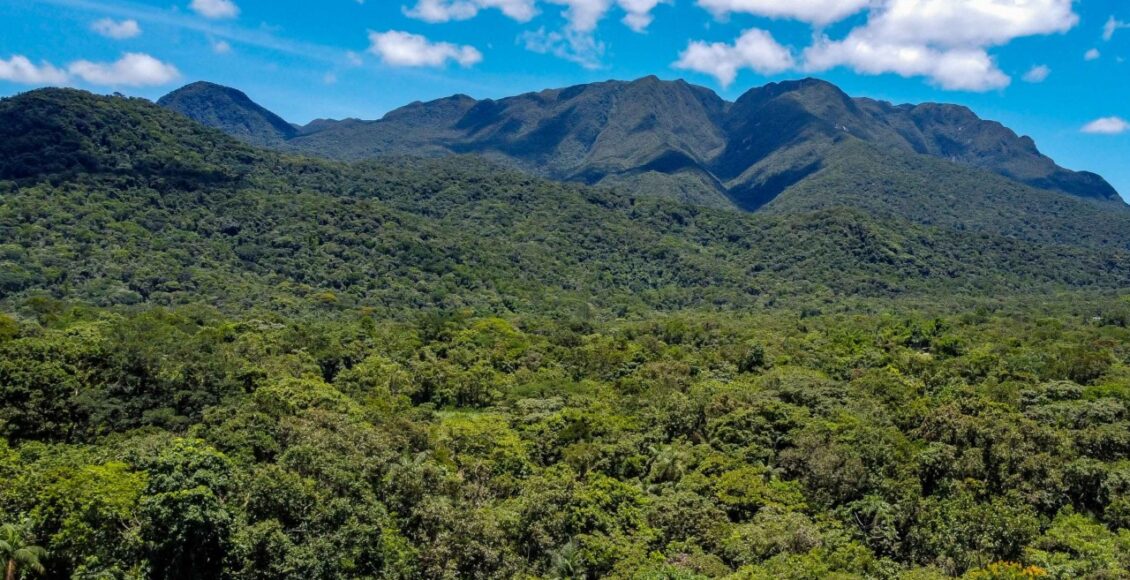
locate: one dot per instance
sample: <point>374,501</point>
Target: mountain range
<point>112,200</point>
<point>803,340</point>
<point>664,138</point>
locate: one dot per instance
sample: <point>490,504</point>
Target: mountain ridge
<point>683,141</point>
<point>231,111</point>
<point>114,200</point>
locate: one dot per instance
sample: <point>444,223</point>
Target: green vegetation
<point>93,212</point>
<point>221,362</point>
<point>230,111</point>
<point>16,554</point>
<point>663,139</point>
<point>151,443</point>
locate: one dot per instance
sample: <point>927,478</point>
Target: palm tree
<point>17,551</point>
<point>566,562</point>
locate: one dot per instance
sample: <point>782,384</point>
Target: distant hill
<point>116,201</point>
<point>230,111</point>
<point>681,141</point>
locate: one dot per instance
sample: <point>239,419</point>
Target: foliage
<point>218,362</point>
<point>855,448</point>
<point>117,202</point>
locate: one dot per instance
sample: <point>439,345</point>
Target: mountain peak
<point>231,111</point>
<point>62,130</point>
<point>672,137</point>
<point>807,86</point>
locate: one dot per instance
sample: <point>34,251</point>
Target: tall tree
<point>18,552</point>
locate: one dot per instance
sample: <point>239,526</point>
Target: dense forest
<point>224,362</point>
<point>183,444</point>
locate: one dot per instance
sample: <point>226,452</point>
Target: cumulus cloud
<point>578,47</point>
<point>215,9</point>
<point>132,70</point>
<point>1037,74</point>
<point>966,23</point>
<point>19,69</point>
<point>1113,25</point>
<point>397,48</point>
<point>117,30</point>
<point>957,69</point>
<point>1092,54</point>
<point>582,15</point>
<point>448,10</point>
<point>755,50</point>
<point>638,13</point>
<point>1107,126</point>
<point>946,41</point>
<point>577,41</point>
<point>819,12</point>
<point>221,47</point>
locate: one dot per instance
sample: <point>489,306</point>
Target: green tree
<point>18,552</point>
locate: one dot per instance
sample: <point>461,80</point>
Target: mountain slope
<point>676,140</point>
<point>932,192</point>
<point>781,133</point>
<point>144,205</point>
<point>609,132</point>
<point>231,111</point>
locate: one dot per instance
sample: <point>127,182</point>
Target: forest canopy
<point>223,362</point>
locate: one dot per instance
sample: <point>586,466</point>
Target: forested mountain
<point>119,201</point>
<point>225,362</point>
<point>681,141</point>
<point>231,111</point>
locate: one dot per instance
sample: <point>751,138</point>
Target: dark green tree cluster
<point>183,444</point>
<point>117,202</point>
<point>221,362</point>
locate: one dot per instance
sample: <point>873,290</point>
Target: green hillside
<point>932,192</point>
<point>231,111</point>
<point>105,214</point>
<point>666,139</point>
<point>221,362</point>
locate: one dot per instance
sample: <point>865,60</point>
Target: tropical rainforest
<point>221,361</point>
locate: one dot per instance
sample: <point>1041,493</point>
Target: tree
<point>18,552</point>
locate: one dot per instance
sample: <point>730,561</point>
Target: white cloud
<point>1092,54</point>
<point>638,13</point>
<point>968,23</point>
<point>1037,74</point>
<point>957,69</point>
<point>577,42</point>
<point>397,48</point>
<point>1113,25</point>
<point>215,9</point>
<point>132,70</point>
<point>578,47</point>
<point>221,47</point>
<point>19,69</point>
<point>584,15</point>
<point>448,10</point>
<point>1107,126</point>
<point>946,41</point>
<point>755,49</point>
<point>117,30</point>
<point>819,12</point>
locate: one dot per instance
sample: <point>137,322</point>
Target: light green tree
<point>18,552</point>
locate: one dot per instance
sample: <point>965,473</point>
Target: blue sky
<point>1052,69</point>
